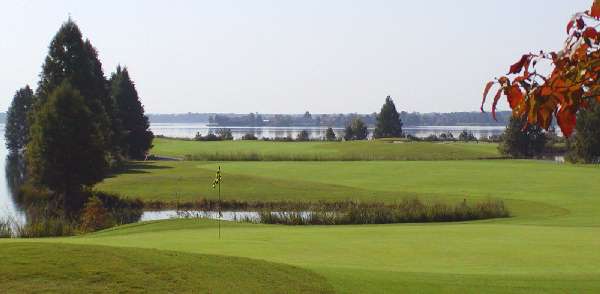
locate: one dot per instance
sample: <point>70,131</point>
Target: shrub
<point>303,136</point>
<point>330,135</point>
<point>249,137</point>
<point>225,134</point>
<point>94,216</point>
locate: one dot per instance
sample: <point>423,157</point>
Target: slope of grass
<point>532,189</point>
<point>490,257</point>
<point>62,268</point>
<point>322,151</point>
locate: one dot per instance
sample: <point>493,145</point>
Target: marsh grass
<point>5,228</point>
<point>406,211</point>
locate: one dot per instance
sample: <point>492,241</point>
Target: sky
<point>281,56</point>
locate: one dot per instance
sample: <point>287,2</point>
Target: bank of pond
<point>104,211</point>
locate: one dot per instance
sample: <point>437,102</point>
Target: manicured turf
<point>482,257</point>
<point>549,246</point>
<point>356,150</point>
<point>62,268</point>
<point>532,189</point>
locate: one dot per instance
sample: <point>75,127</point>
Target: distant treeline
<point>333,120</point>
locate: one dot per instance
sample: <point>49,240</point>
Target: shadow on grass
<point>137,168</point>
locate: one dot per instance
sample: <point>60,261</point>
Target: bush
<point>249,137</point>
<point>303,136</point>
<point>225,134</point>
<point>330,135</point>
<point>209,137</point>
<point>94,216</point>
<point>466,136</point>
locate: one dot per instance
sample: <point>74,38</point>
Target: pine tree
<point>522,142</point>
<point>17,121</point>
<point>65,152</point>
<point>137,139</point>
<point>330,135</point>
<point>586,145</point>
<point>388,121</point>
<point>348,135</point>
<point>72,59</point>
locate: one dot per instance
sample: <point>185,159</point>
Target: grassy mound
<point>489,257</point>
<point>321,151</point>
<point>62,268</point>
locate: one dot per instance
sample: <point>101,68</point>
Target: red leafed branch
<point>572,83</point>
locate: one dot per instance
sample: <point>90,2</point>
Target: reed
<point>407,211</point>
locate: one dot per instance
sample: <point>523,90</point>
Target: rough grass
<point>62,268</point>
<point>321,151</point>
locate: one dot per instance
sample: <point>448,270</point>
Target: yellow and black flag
<point>217,180</point>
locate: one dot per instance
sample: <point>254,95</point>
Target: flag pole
<point>219,221</point>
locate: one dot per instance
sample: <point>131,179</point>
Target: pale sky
<point>290,56</point>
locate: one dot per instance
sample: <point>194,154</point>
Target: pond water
<point>10,209</point>
<point>251,216</point>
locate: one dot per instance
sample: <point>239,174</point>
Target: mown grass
<point>530,189</point>
<point>322,151</point>
<point>480,257</point>
<point>63,268</point>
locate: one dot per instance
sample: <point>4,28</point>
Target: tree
<point>522,142</point>
<point>330,135</point>
<point>388,121</point>
<point>72,59</point>
<point>303,136</point>
<point>573,83</point>
<point>17,121</point>
<point>586,145</point>
<point>348,136</point>
<point>466,136</point>
<point>357,130</point>
<point>65,152</point>
<point>137,138</point>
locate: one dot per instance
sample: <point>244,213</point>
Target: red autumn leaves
<point>573,82</point>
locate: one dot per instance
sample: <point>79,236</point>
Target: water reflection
<point>9,182</point>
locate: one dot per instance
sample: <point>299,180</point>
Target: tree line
<point>77,124</point>
<point>337,120</point>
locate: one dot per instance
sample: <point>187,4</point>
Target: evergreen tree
<point>17,122</point>
<point>522,142</point>
<point>348,136</point>
<point>330,135</point>
<point>72,59</point>
<point>137,139</point>
<point>357,130</point>
<point>65,152</point>
<point>388,121</point>
<point>586,145</point>
<point>303,136</point>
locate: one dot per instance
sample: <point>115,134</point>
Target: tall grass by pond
<point>406,211</point>
<point>409,210</point>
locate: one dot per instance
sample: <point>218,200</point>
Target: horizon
<point>273,57</point>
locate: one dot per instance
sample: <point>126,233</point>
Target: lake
<point>9,209</point>
<point>189,130</point>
